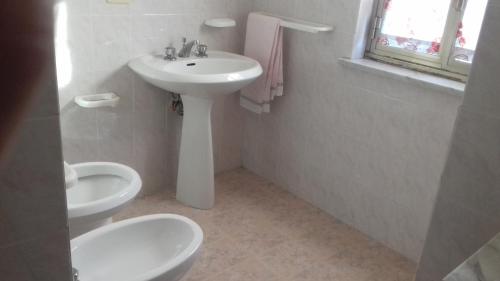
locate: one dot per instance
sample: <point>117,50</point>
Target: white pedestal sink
<point>199,81</point>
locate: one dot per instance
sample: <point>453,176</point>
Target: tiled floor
<point>258,232</point>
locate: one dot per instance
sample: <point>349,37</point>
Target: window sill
<point>403,74</point>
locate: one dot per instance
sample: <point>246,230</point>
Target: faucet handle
<point>170,53</point>
<point>184,41</point>
<point>201,50</point>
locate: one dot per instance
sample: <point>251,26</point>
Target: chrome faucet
<point>187,48</point>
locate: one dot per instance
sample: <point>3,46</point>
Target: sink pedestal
<point>195,177</point>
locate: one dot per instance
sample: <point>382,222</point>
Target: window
<point>437,36</point>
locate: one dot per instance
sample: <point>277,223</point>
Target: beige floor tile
<point>289,258</point>
<point>256,238</point>
<point>259,231</point>
<point>337,272</point>
<point>248,270</point>
<point>216,256</point>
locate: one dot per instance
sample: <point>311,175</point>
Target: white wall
<point>141,131</point>
<point>365,148</point>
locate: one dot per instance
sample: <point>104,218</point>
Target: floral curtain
<point>414,26</point>
<point>468,31</point>
<point>418,27</point>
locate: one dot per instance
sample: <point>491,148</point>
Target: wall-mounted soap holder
<point>98,100</point>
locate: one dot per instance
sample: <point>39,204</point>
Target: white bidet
<point>150,248</point>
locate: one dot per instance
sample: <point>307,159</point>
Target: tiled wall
<point>141,131</point>
<point>467,212</point>
<point>367,149</point>
<point>34,243</point>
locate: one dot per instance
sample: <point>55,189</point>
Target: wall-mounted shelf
<point>220,22</point>
<point>301,25</point>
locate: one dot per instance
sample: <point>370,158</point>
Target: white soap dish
<point>99,100</point>
<point>220,22</point>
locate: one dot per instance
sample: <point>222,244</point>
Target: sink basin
<point>220,73</point>
<point>199,81</point>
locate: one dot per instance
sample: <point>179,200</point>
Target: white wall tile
<point>102,7</point>
<point>366,148</point>
<point>139,131</point>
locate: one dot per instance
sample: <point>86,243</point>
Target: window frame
<point>443,65</point>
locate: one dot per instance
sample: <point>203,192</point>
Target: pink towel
<point>264,43</point>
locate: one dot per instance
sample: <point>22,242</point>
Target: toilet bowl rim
<point>133,188</point>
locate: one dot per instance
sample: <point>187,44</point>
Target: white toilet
<point>97,192</point>
<point>150,248</point>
